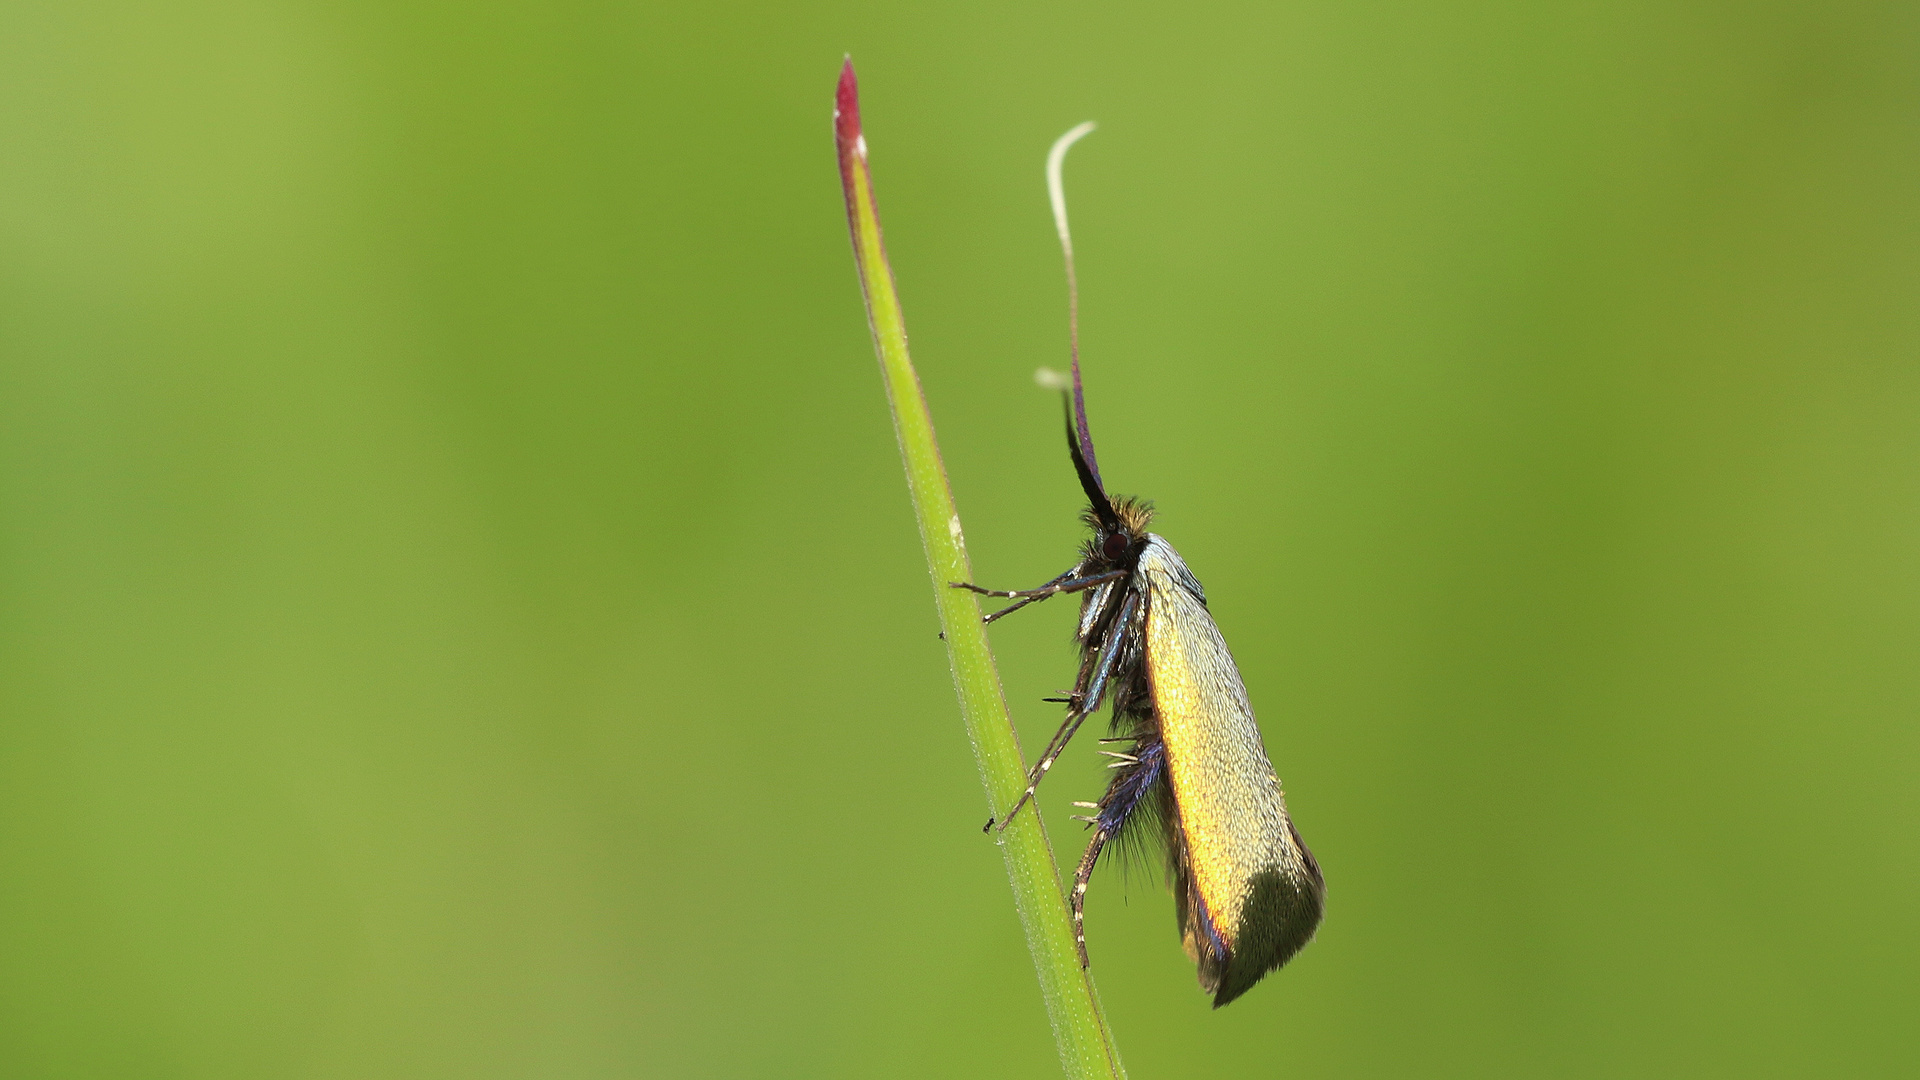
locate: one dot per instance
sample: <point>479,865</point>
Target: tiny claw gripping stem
<point>1001,826</point>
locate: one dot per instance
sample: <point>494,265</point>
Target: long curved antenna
<point>1050,379</point>
<point>1090,481</point>
<point>1057,194</point>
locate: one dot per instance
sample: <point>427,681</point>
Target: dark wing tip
<point>1282,913</point>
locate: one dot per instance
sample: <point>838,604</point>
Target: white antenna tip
<point>1049,379</point>
<point>1074,134</point>
<point>1056,192</point>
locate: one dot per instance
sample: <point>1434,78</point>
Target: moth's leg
<point>1071,573</point>
<point>1068,576</point>
<point>1065,583</point>
<point>1087,693</point>
<point>1123,797</point>
<point>1009,609</point>
<point>1078,901</point>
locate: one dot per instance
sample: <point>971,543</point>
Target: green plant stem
<point>1079,1027</point>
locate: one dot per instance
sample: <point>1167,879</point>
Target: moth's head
<point>1119,533</point>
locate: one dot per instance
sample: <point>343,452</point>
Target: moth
<point>1192,773</point>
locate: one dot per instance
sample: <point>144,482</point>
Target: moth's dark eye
<point>1114,546</point>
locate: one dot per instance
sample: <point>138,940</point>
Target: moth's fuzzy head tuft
<point>1135,515</point>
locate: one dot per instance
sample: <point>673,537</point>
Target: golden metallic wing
<point>1248,891</point>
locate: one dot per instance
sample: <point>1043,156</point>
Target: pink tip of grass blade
<point>846,122</point>
<point>846,105</point>
<point>851,148</point>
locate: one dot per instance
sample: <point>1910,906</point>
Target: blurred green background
<point>460,614</point>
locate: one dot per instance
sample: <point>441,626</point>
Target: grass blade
<point>1079,1027</point>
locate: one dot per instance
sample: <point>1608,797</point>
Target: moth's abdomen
<point>1250,893</point>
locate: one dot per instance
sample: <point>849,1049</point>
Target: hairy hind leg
<point>1078,901</point>
<point>1131,787</point>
